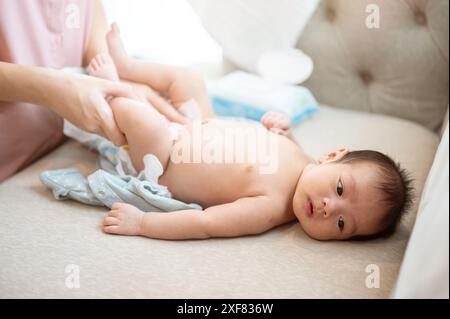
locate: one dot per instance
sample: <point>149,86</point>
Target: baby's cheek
<point>308,228</point>
<point>319,230</point>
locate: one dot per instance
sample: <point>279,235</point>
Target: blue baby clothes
<point>115,182</point>
<point>104,189</point>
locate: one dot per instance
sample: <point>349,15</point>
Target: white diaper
<point>152,171</point>
<point>153,168</point>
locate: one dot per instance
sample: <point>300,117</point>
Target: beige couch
<point>400,70</point>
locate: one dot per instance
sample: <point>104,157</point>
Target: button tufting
<point>421,18</point>
<point>330,14</point>
<point>366,77</point>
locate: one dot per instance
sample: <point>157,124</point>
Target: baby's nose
<point>327,208</point>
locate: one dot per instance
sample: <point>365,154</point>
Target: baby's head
<point>348,195</point>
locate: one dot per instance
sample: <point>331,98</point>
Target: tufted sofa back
<point>400,68</point>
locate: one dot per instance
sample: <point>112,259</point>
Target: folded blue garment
<point>104,189</point>
<point>241,94</point>
<point>69,184</point>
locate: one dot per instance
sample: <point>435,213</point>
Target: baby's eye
<point>341,223</point>
<point>340,188</point>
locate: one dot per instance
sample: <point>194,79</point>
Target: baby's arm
<point>278,123</point>
<point>246,216</point>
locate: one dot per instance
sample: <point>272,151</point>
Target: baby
<point>343,195</point>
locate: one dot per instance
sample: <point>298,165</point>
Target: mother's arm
<point>99,27</point>
<point>78,98</point>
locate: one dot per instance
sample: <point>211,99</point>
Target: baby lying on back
<point>248,177</point>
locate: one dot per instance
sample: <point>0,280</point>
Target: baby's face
<point>335,201</point>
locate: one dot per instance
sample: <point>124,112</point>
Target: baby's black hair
<point>395,188</point>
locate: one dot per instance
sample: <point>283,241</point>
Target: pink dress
<point>46,33</point>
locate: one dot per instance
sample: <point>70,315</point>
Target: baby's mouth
<point>310,208</point>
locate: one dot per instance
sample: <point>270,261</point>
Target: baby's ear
<point>333,156</point>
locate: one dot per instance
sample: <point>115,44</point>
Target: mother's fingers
<point>108,124</point>
<point>166,109</point>
<point>118,89</point>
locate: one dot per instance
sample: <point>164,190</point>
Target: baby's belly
<point>219,166</point>
<point>210,184</point>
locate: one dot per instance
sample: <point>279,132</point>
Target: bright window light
<point>166,31</point>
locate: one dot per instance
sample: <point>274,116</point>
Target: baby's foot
<point>276,122</point>
<point>123,219</point>
<point>117,49</point>
<point>102,66</point>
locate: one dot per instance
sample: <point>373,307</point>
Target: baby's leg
<point>146,130</point>
<point>133,69</point>
<point>162,78</point>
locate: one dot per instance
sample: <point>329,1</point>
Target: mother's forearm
<point>19,83</point>
<point>183,224</point>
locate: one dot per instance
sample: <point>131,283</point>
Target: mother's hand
<point>78,98</point>
<point>86,105</point>
<point>177,93</point>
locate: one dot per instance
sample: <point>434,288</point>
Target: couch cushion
<point>400,68</point>
<point>40,238</point>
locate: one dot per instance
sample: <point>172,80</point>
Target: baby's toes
<point>101,58</point>
<point>92,67</point>
<point>98,59</point>
<point>106,58</point>
<point>90,71</point>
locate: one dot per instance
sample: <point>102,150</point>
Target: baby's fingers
<point>113,213</point>
<point>111,229</point>
<point>282,120</point>
<point>117,206</point>
<point>268,119</point>
<point>109,221</point>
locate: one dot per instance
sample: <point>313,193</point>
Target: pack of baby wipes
<point>242,94</point>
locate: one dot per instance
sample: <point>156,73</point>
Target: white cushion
<point>247,29</point>
<point>425,268</point>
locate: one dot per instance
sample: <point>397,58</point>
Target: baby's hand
<point>276,122</point>
<point>123,219</point>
